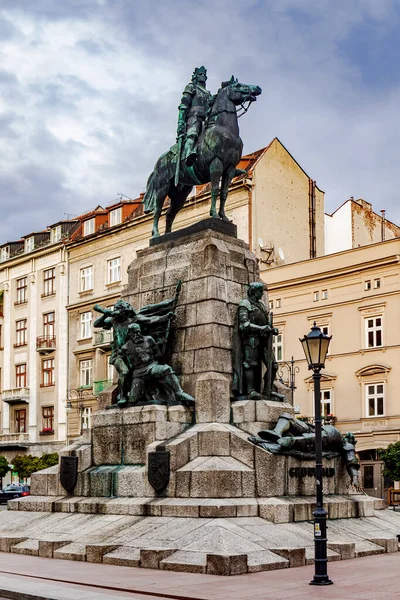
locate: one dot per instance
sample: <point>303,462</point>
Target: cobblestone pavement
<point>367,578</point>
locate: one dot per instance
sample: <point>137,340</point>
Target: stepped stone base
<point>212,544</point>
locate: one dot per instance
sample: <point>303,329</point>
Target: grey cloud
<point>313,100</point>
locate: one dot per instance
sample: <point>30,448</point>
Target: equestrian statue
<point>208,148</point>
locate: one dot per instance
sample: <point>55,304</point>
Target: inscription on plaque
<point>310,472</point>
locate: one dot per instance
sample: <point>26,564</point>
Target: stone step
<point>124,556</point>
<point>275,510</point>
<point>28,547</point>
<point>75,551</point>
<point>216,476</point>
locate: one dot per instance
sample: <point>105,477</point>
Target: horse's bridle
<point>233,112</point>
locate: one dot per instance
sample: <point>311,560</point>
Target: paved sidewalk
<point>367,578</point>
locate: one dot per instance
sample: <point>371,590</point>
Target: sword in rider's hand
<point>178,158</point>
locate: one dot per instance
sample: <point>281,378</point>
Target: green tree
<point>48,460</point>
<point>4,468</point>
<point>391,461</point>
<point>26,464</point>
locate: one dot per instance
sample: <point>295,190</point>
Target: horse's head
<point>239,93</point>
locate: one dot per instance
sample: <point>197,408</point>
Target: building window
<point>373,332</point>
<point>22,290</point>
<point>20,420</point>
<point>367,285</point>
<point>326,403</point>
<point>115,217</point>
<point>86,279</point>
<point>375,399</point>
<point>278,303</point>
<point>86,418</point>
<point>48,418</point>
<point>88,227</point>
<point>316,296</point>
<point>114,270</point>
<point>5,253</point>
<point>49,279</point>
<point>86,325</point>
<point>377,284</point>
<point>20,376</point>
<point>324,295</point>
<point>277,344</point>
<point>85,373</point>
<point>48,372</point>
<point>21,332</point>
<point>49,324</point>
<point>29,244</point>
<point>55,235</point>
<point>271,304</point>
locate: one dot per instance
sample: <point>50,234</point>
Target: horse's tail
<point>149,199</point>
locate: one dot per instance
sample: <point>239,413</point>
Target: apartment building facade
<point>353,295</point>
<point>33,354</point>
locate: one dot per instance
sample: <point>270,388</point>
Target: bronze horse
<point>219,151</point>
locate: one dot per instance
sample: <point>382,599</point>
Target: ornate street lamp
<point>315,346</point>
<point>292,369</point>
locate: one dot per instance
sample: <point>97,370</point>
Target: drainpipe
<point>248,184</point>
<point>311,217</point>
<point>383,225</point>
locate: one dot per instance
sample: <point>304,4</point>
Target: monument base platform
<point>215,543</point>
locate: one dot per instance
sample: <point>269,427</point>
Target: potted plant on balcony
<point>330,419</point>
<point>47,431</point>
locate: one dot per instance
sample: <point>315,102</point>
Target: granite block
<point>95,552</point>
<point>275,510</point>
<point>220,564</point>
<point>242,449</point>
<point>295,556</point>
<point>270,411</point>
<point>243,410</point>
<point>213,359</point>
<point>271,473</point>
<point>212,398</point>
<point>150,559</point>
<point>107,445</point>
<point>214,443</point>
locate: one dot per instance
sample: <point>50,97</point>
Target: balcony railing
<point>99,386</point>
<point>15,395</point>
<point>103,338</point>
<point>45,343</point>
<point>16,438</point>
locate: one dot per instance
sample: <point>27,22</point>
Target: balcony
<point>45,344</point>
<point>14,441</point>
<point>99,386</point>
<point>103,337</point>
<point>16,396</point>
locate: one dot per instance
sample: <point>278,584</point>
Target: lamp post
<point>315,345</point>
<point>292,369</point>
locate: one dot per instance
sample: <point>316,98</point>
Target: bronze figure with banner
<point>153,320</point>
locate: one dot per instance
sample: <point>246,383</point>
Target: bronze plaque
<point>69,472</point>
<point>158,469</point>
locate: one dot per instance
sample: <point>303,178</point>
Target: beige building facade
<point>354,296</point>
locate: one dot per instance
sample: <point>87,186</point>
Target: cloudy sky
<point>90,89</point>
